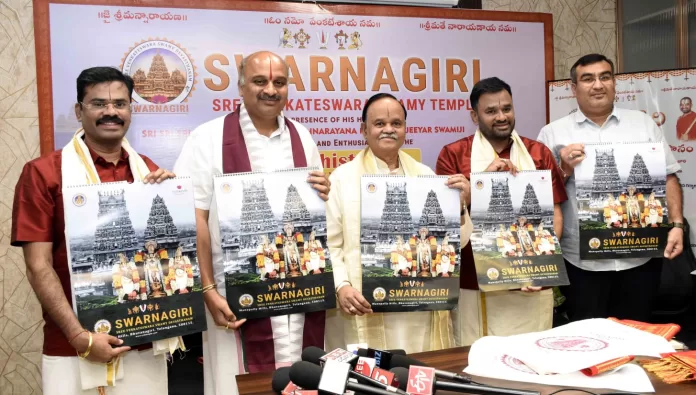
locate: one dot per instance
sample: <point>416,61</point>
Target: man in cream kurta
<point>271,142</point>
<point>384,128</point>
<point>496,146</point>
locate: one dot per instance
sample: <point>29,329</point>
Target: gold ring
<point>228,325</point>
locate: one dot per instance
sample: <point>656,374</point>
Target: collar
<point>98,159</point>
<point>248,127</point>
<point>383,167</point>
<point>580,117</point>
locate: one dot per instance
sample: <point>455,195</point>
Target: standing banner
<point>666,96</point>
<point>273,237</point>
<point>514,242</point>
<point>184,62</point>
<point>133,265</point>
<point>621,201</point>
<point>409,233</point>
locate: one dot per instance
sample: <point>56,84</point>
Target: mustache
<point>387,135</point>
<point>264,96</point>
<point>113,118</point>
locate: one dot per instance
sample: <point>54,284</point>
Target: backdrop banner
<point>184,63</point>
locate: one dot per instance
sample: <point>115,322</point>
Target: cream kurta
<point>407,331</point>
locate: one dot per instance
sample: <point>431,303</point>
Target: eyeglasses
<point>590,79</point>
<point>100,106</point>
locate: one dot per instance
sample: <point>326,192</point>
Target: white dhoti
<point>507,313</point>
<point>222,359</point>
<point>144,373</point>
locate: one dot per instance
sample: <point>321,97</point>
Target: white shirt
<point>201,159</point>
<point>622,125</point>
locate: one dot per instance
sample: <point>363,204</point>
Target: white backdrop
<point>658,94</point>
<point>430,64</point>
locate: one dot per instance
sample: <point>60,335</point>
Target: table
<point>455,360</point>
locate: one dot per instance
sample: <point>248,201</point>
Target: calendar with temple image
<point>513,240</point>
<point>132,257</point>
<point>273,237</point>
<point>622,211</point>
<point>409,236</point>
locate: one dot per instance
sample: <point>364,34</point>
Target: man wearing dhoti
<point>496,146</point>
<point>402,258</point>
<point>97,153</point>
<point>126,279</point>
<point>313,255</point>
<point>384,128</point>
<point>180,279</point>
<point>255,137</point>
<point>267,259</point>
<point>446,255</point>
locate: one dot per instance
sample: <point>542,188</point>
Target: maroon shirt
<point>455,158</point>
<point>37,216</point>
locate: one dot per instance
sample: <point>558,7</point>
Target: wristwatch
<point>677,225</point>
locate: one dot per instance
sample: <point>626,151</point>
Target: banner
<point>514,242</point>
<point>667,96</point>
<point>132,254</point>
<point>409,233</point>
<point>184,63</point>
<point>621,201</point>
<point>273,236</point>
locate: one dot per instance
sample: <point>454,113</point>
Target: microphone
<point>403,375</point>
<point>280,379</point>
<point>382,357</point>
<point>406,362</point>
<point>281,384</point>
<point>317,356</point>
<point>332,379</point>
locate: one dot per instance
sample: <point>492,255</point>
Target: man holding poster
<point>623,288</point>
<point>98,153</point>
<point>384,128</point>
<point>255,137</point>
<point>496,146</point>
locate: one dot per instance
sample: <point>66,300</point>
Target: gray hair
<point>243,64</point>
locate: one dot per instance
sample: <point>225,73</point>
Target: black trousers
<point>627,294</point>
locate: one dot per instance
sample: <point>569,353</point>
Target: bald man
<point>255,137</point>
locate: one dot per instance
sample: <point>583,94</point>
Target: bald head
<point>263,86</point>
<point>260,59</point>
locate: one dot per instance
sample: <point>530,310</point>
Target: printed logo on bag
<point>594,243</point>
<point>102,326</point>
<point>479,184</point>
<point>79,200</point>
<point>164,76</point>
<point>246,300</point>
<point>572,343</point>
<point>379,294</point>
<point>371,187</point>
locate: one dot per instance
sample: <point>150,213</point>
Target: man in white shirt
<point>622,288</point>
<point>255,137</point>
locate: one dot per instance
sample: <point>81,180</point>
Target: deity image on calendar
<point>151,262</point>
<point>616,193</point>
<point>513,217</point>
<point>406,233</point>
<point>276,232</point>
<point>133,243</point>
<point>524,239</point>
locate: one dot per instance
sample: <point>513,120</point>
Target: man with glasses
<point>75,359</point>
<point>622,288</point>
